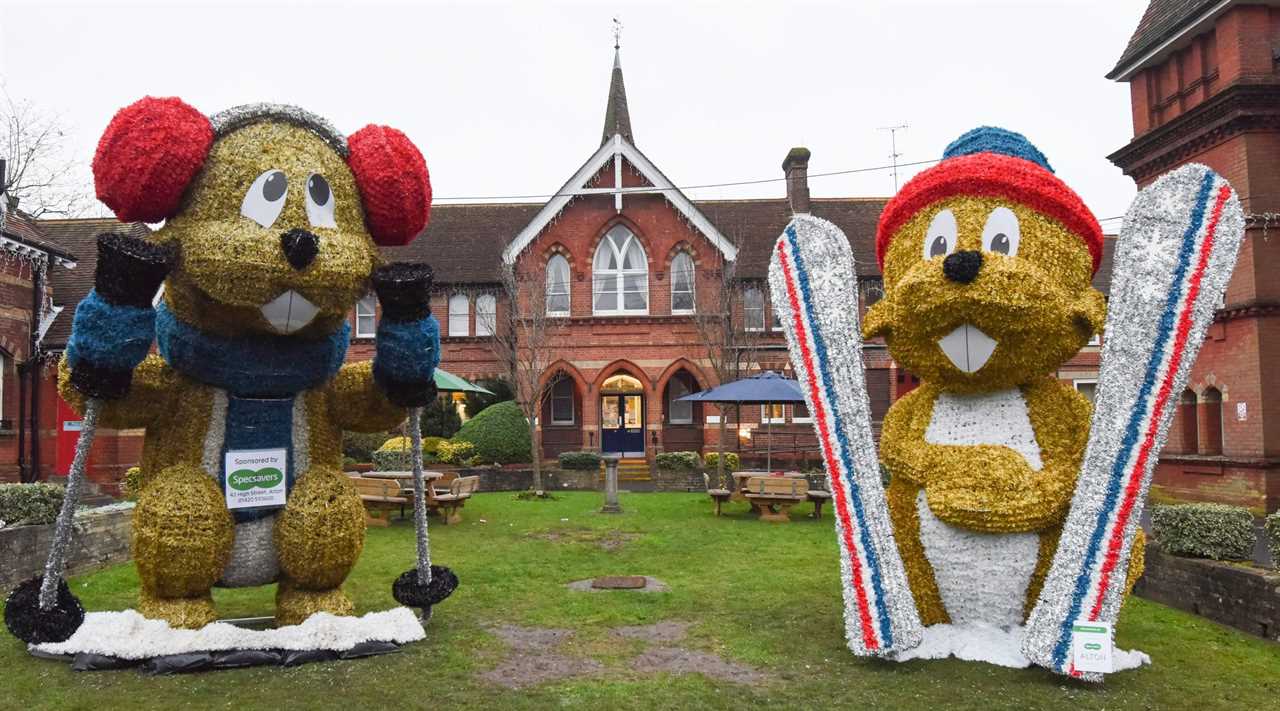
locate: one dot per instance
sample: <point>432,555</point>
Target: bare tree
<point>40,172</point>
<point>721,322</point>
<point>524,339</point>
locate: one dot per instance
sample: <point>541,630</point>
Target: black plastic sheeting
<point>213,661</point>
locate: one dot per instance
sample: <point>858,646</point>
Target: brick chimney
<point>796,169</point>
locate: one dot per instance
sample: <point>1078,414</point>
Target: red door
<point>68,433</point>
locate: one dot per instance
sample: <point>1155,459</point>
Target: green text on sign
<point>246,479</point>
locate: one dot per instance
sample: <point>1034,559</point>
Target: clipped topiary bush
<point>29,503</point>
<point>1273,538</point>
<point>131,485</point>
<point>1216,531</point>
<point>360,446</point>
<point>393,456</point>
<point>679,461</point>
<point>581,461</point>
<point>461,453</point>
<point>731,461</point>
<point>500,434</point>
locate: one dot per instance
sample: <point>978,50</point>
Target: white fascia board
<point>575,187</point>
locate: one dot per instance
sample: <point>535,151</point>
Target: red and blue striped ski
<point>814,291</point>
<point>1173,259</point>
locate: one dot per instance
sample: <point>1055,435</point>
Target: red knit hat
<point>992,162</point>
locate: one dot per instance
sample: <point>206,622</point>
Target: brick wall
<point>1243,597</point>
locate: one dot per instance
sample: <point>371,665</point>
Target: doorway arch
<point>622,418</point>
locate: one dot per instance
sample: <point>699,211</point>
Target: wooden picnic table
<point>740,480</point>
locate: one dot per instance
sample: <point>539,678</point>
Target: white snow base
<point>129,635</point>
<point>983,643</point>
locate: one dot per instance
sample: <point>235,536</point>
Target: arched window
<point>459,315</point>
<point>678,412</point>
<point>562,401</point>
<point>1211,421</point>
<point>682,283</point>
<point>753,310</point>
<point>1187,413</point>
<point>620,274</point>
<point>486,314</point>
<point>558,285</point>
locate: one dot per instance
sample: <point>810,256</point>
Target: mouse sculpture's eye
<point>1001,233</point>
<point>265,198</point>
<point>940,238</point>
<point>319,202</point>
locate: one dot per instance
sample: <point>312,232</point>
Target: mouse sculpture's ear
<point>393,182</point>
<point>147,157</point>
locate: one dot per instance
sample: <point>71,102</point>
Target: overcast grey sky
<point>507,98</point>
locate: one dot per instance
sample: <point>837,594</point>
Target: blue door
<point>622,424</point>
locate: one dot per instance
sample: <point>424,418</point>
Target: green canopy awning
<point>447,382</point>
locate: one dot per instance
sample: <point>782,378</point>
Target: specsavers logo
<point>246,479</point>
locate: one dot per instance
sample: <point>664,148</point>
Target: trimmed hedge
<point>29,503</point>
<point>1216,531</point>
<point>500,434</point>
<point>393,456</point>
<point>679,461</point>
<point>360,446</point>
<point>581,461</point>
<point>1273,538</point>
<point>731,461</point>
<point>451,452</point>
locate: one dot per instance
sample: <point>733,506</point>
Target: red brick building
<point>1205,88</point>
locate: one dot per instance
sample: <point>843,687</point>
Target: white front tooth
<point>289,312</point>
<point>967,347</point>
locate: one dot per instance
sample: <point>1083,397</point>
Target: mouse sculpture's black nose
<point>300,247</point>
<point>962,267</point>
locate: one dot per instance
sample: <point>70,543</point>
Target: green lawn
<point>759,594</point>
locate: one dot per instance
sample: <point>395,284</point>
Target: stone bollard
<point>611,504</point>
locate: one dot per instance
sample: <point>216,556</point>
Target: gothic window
<point>678,412</point>
<point>1211,421</point>
<point>620,275</point>
<point>682,284</point>
<point>558,286</point>
<point>562,402</point>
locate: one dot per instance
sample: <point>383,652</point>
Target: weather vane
<point>617,33</point>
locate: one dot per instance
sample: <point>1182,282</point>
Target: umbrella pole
<point>768,443</point>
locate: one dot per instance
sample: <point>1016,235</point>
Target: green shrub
<point>678,461</point>
<point>731,461</point>
<point>131,485</point>
<point>582,461</point>
<point>29,503</point>
<point>1216,531</point>
<point>500,434</point>
<point>478,402</point>
<point>1273,538</point>
<point>440,419</point>
<point>457,452</point>
<point>393,456</point>
<point>430,444</point>
<point>360,446</point>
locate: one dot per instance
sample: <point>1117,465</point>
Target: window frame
<point>800,420</point>
<point>767,419</point>
<point>746,325</point>
<point>619,274</point>
<point>465,314</point>
<point>693,284</point>
<point>490,324</point>
<point>671,402</point>
<point>1077,382</point>
<point>568,286</point>
<point>551,398</point>
<point>372,316</point>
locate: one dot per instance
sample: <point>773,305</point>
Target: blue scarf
<point>256,366</point>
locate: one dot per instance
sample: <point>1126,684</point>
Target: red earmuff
<point>147,157</point>
<point>393,181</point>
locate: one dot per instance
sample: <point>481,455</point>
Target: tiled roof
<point>20,226</point>
<point>1162,19</point>
<point>464,243</point>
<point>78,237</point>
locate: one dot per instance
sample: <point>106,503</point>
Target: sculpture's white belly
<point>982,577</point>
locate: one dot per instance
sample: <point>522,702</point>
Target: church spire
<point>617,119</point>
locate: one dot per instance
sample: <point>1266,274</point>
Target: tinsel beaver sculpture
<point>987,260</point>
<point>272,220</point>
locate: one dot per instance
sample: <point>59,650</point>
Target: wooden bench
<point>773,496</point>
<point>818,497</point>
<point>717,495</point>
<point>380,496</point>
<point>449,503</point>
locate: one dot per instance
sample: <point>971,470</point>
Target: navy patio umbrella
<point>766,388</point>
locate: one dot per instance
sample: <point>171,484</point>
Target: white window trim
<point>1094,340</point>
<point>766,420</point>
<point>620,275</point>
<point>764,317</point>
<point>372,316</point>
<point>671,420</point>
<point>693,286</point>
<point>1077,382</point>
<point>466,331</point>
<point>490,320</point>
<point>568,287</point>
<point>573,411</point>
<point>800,420</point>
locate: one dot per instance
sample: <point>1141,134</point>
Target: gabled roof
<point>464,243</point>
<point>27,233</point>
<point>1162,23</point>
<point>577,186</point>
<point>80,238</point>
